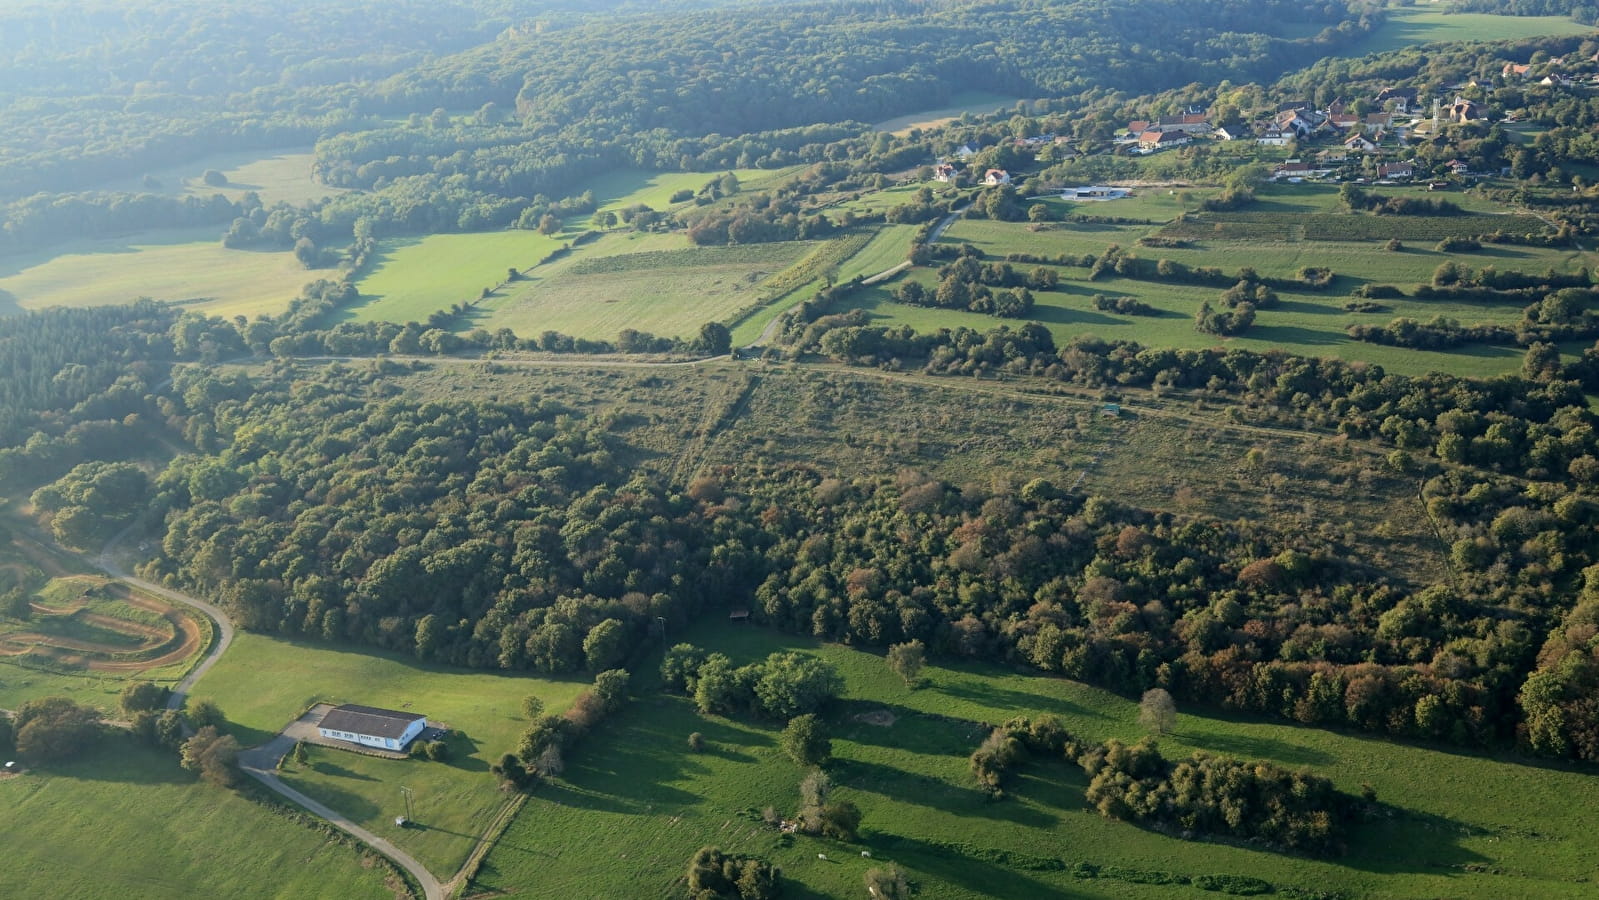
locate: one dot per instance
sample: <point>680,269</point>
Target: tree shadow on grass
<point>334,770</point>
<point>1009,702</point>
<point>982,878</point>
<point>925,790</point>
<point>463,751</point>
<point>1254,747</point>
<point>1291,334</point>
<point>349,804</point>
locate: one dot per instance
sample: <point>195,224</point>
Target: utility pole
<point>406,792</point>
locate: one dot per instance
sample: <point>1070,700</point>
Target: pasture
<point>263,683</point>
<point>974,102</point>
<point>635,803</point>
<point>1409,27</point>
<point>605,289</point>
<point>414,277</point>
<point>1290,228</point>
<point>126,823</point>
<point>631,187</point>
<point>188,266</point>
<point>275,175</point>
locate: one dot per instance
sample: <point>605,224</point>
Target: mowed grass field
<point>185,265</point>
<point>630,187</point>
<point>620,283</point>
<point>1409,27</point>
<point>635,803</point>
<point>126,823</point>
<point>964,102</point>
<point>412,278</point>
<point>263,683</point>
<point>280,175</point>
<point>415,277</point>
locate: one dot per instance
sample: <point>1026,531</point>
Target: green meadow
<point>263,683</point>
<point>189,266</point>
<point>616,283</point>
<point>1308,322</point>
<point>1409,27</point>
<point>414,277</point>
<point>635,803</point>
<point>126,823</point>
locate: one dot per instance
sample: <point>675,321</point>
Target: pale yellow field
<point>188,265</point>
<point>275,175</point>
<point>964,102</point>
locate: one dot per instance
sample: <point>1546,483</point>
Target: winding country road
<point>260,762</point>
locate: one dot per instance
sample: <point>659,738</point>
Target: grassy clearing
<point>415,277</point>
<point>277,176</point>
<point>976,102</point>
<point>186,265</point>
<point>1409,27</point>
<point>636,803</point>
<point>888,248</point>
<point>668,300</point>
<point>263,683</point>
<point>128,823</point>
<point>630,187</point>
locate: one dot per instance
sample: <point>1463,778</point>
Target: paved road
<point>261,761</point>
<point>251,762</point>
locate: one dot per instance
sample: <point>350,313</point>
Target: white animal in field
<point>821,856</point>
<point>866,853</point>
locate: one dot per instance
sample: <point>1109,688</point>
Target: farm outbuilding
<point>371,727</point>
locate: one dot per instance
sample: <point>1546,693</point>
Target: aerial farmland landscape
<point>741,449</point>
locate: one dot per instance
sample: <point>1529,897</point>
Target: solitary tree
<point>805,740</point>
<point>715,339</point>
<point>300,755</point>
<point>1157,712</point>
<point>214,755</point>
<point>888,884</point>
<point>532,707</point>
<point>906,660</point>
<point>204,713</point>
<point>141,696</point>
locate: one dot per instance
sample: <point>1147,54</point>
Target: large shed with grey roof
<point>371,727</point>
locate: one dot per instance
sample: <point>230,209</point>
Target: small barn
<point>369,726</point>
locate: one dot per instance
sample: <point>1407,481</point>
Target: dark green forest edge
<point>327,502</point>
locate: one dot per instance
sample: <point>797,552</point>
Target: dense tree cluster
<point>783,686</point>
<point>714,875</point>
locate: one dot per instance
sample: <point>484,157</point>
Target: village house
<point>1400,99</point>
<point>1463,110</point>
<point>1377,122</point>
<point>1515,70</point>
<point>1188,123</point>
<point>1293,170</point>
<point>369,726</point>
<point>945,173</point>
<point>1458,167</point>
<point>1231,131</point>
<point>1152,140</point>
<point>1302,122</point>
<point>1272,136</point>
<point>965,151</point>
<point>1342,120</point>
<point>994,177</point>
<point>1396,170</point>
<point>1555,79</point>
<point>1359,143</point>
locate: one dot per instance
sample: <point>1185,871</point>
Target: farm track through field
<point>106,561</point>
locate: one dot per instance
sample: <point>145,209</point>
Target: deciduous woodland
<point>1176,411</point>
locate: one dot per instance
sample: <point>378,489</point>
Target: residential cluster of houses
<point>948,173</point>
